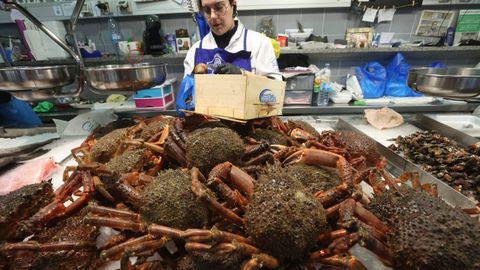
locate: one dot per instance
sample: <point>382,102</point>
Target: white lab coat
<point>262,57</point>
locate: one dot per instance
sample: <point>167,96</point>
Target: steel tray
<point>397,164</point>
<point>127,78</point>
<point>457,83</point>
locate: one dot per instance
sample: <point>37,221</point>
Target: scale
<point>44,82</point>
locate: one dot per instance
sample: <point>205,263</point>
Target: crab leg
<point>472,211</point>
<point>114,252</point>
<point>114,213</point>
<point>57,246</point>
<point>329,236</point>
<point>333,195</point>
<point>255,149</point>
<point>234,175</point>
<point>347,262</point>
<point>138,248</point>
<point>176,153</point>
<point>321,146</point>
<point>159,230</point>
<point>194,246</point>
<point>350,208</point>
<point>148,145</point>
<point>201,192</point>
<point>115,223</point>
<point>261,159</point>
<point>431,189</point>
<point>261,260</point>
<point>338,246</point>
<point>376,182</point>
<point>232,197</point>
<point>100,187</point>
<point>319,157</point>
<point>199,235</point>
<point>301,135</point>
<point>227,248</point>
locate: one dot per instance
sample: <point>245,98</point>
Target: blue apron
<point>215,57</point>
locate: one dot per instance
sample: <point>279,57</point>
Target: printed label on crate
<point>267,96</point>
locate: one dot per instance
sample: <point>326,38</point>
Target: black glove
<point>228,68</point>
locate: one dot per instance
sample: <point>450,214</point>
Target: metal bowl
<point>124,78</point>
<point>35,78</point>
<point>459,83</point>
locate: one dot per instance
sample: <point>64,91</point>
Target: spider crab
<point>425,232</point>
<point>68,244</point>
<point>30,208</point>
<point>258,206</point>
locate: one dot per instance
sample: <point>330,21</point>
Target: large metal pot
<point>36,78</point>
<point>124,78</point>
<point>459,83</point>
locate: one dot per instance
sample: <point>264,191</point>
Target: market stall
<point>242,179</point>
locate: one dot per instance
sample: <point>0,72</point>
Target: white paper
<point>370,15</point>
<point>434,23</point>
<point>85,123</point>
<point>386,37</point>
<point>386,14</point>
<point>180,2</point>
<point>10,143</point>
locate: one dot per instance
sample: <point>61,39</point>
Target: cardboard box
<point>242,97</point>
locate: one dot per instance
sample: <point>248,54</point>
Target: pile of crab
<point>204,193</point>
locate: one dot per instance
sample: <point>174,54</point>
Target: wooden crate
<point>242,97</point>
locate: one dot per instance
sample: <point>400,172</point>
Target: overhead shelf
<point>382,50</point>
<point>472,52</point>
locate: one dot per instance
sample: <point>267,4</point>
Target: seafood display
<point>204,193</point>
<point>443,158</point>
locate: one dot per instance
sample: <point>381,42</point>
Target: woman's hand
<point>228,68</point>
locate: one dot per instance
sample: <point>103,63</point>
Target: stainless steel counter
<point>333,109</point>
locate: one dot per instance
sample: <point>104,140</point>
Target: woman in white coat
<point>229,48</point>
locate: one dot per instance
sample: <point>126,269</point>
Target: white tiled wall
<point>331,22</point>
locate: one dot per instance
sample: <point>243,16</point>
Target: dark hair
<point>232,3</point>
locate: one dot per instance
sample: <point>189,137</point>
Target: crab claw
<point>302,135</point>
<point>319,157</point>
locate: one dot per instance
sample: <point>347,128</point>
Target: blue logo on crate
<point>267,96</point>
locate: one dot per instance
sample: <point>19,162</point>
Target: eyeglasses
<point>220,9</point>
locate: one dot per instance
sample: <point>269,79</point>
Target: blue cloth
<point>16,113</point>
<point>215,57</point>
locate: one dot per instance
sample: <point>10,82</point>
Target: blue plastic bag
<point>372,78</point>
<point>202,24</point>
<point>16,113</point>
<point>185,95</point>
<point>397,72</point>
<point>437,65</point>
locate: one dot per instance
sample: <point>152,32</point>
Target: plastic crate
<point>161,96</point>
<point>300,82</point>
<point>298,97</point>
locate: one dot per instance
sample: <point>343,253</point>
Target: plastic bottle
<point>450,36</point>
<point>316,89</point>
<point>115,34</point>
<point>323,94</point>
